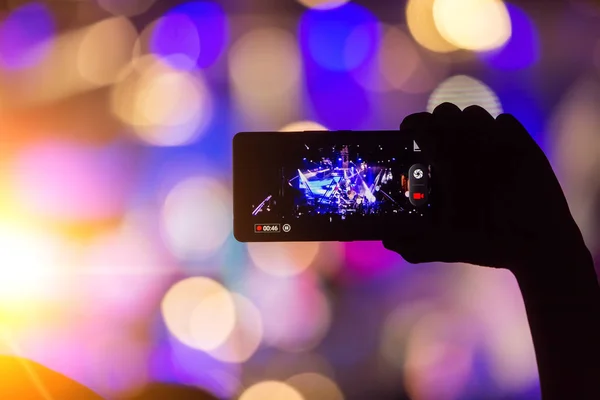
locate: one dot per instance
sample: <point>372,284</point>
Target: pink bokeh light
<point>96,354</point>
<point>366,259</point>
<point>71,182</point>
<point>124,275</point>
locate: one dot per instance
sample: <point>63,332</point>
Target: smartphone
<point>329,186</point>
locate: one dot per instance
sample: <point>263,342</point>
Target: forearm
<point>563,309</point>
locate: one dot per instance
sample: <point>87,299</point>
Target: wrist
<point>564,277</point>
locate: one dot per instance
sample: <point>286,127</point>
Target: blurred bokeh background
<point>118,266</point>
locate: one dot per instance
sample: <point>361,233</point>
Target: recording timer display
<point>272,228</point>
<point>267,228</point>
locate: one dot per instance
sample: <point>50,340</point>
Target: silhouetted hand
<point>499,204</point>
<point>497,200</point>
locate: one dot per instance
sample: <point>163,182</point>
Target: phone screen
<point>328,186</point>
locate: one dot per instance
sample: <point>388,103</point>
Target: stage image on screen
<point>340,182</point>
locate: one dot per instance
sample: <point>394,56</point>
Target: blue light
<point>523,48</point>
<point>22,34</point>
<point>174,362</point>
<point>518,96</point>
<point>334,43</point>
<point>341,39</point>
<point>340,159</point>
<point>195,32</point>
<point>337,100</point>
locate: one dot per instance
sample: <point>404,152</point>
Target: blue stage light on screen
<point>523,48</point>
<point>341,39</point>
<point>191,34</point>
<point>24,36</point>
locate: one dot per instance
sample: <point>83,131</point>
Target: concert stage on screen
<point>339,181</point>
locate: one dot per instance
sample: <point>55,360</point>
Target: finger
<point>517,156</point>
<point>517,148</point>
<point>411,250</point>
<point>478,113</point>
<point>447,110</point>
<point>476,154</point>
<point>416,121</point>
<point>478,121</point>
<point>430,248</point>
<point>475,142</point>
<point>445,135</point>
<point>513,135</point>
<point>419,125</point>
<point>447,249</point>
<point>477,125</point>
<point>530,157</point>
<point>447,126</point>
<point>509,121</point>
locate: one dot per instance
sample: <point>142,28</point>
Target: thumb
<point>419,250</point>
<point>452,248</point>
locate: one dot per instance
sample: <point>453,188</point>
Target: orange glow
<point>300,126</point>
<point>419,16</point>
<point>315,387</point>
<point>481,25</point>
<point>271,390</point>
<point>25,379</point>
<point>265,67</point>
<point>105,49</point>
<point>164,106</point>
